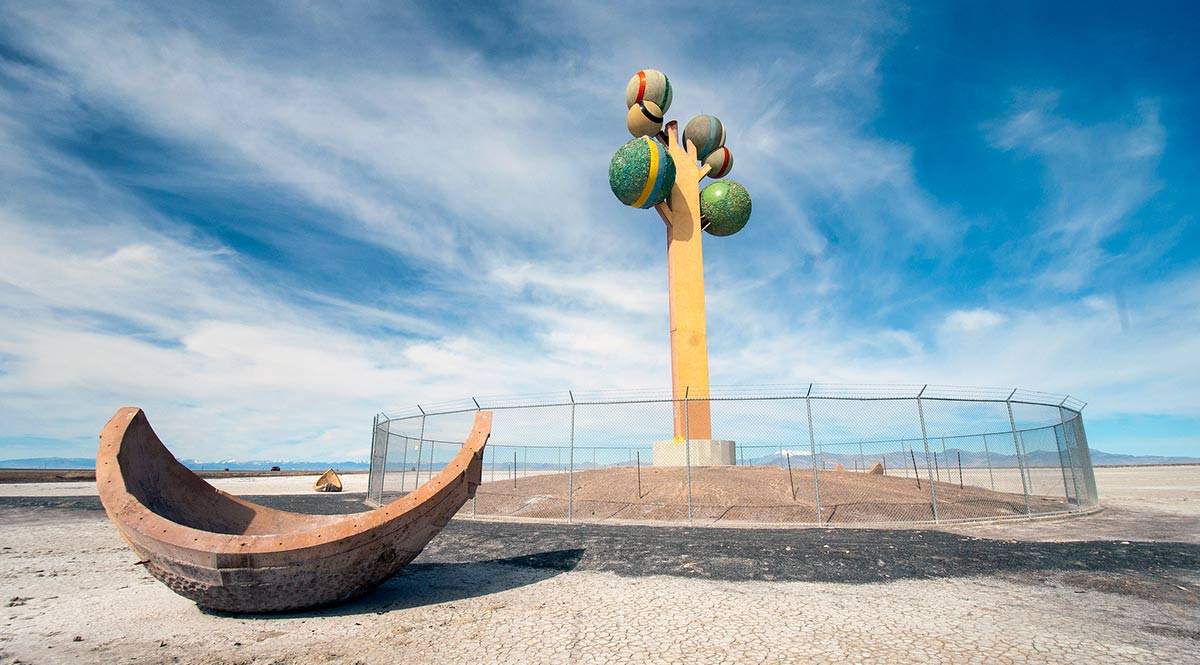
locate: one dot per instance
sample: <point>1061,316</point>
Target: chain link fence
<point>807,455</point>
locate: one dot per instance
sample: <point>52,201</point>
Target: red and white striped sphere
<point>720,162</point>
<point>649,85</point>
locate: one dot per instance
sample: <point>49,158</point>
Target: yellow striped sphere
<point>641,174</point>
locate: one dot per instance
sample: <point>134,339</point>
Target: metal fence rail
<point>813,454</point>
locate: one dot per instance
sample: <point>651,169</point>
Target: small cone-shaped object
<point>329,482</point>
<point>644,119</point>
<point>840,468</point>
<point>876,470</point>
<point>720,163</point>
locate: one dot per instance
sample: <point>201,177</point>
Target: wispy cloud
<point>266,230</point>
<point>1097,177</point>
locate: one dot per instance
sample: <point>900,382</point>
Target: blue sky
<point>264,225</point>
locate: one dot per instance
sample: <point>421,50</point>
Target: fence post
<point>987,458</point>
<point>474,499</point>
<point>1062,419</point>
<point>925,442</point>
<point>1085,454</point>
<point>571,468</point>
<point>404,465</point>
<point>639,474</point>
<point>791,481</point>
<point>420,445</point>
<point>1012,423</point>
<point>514,467</point>
<point>432,450</point>
<point>912,455</point>
<point>687,449</point>
<point>371,481</point>
<point>1062,461</point>
<point>812,453</point>
<point>378,465</point>
<point>960,480</point>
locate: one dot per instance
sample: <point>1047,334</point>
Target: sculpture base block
<point>704,452</point>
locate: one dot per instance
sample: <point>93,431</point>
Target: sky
<point>265,224</point>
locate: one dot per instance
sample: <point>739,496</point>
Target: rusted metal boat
<point>329,481</point>
<point>233,555</point>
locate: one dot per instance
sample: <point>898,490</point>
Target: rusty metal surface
<point>229,554</point>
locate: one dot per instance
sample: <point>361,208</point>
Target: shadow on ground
<point>853,556</point>
<point>478,557</point>
<point>419,584</point>
<point>1166,571</point>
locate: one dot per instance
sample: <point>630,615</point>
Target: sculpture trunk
<point>685,278</point>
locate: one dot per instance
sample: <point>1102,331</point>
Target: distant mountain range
<point>892,459</point>
<point>970,459</point>
<point>233,465</point>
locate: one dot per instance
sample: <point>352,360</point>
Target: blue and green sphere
<point>705,132</point>
<point>641,174</point>
<point>724,207</point>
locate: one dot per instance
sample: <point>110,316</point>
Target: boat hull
<point>232,555</point>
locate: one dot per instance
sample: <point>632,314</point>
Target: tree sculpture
<point>655,170</point>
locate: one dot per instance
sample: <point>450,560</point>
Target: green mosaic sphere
<point>724,208</point>
<point>641,174</point>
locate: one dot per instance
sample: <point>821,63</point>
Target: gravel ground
<point>1121,586</point>
<point>749,494</point>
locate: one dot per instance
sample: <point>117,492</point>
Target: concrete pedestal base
<point>704,452</point>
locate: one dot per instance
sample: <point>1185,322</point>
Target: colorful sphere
<point>706,132</point>
<point>724,208</point>
<point>641,174</point>
<point>649,85</point>
<point>720,162</point>
<point>644,119</point>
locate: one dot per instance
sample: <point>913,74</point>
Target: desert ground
<point>1122,585</point>
<point>749,494</point>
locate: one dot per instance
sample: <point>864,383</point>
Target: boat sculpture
<point>329,481</point>
<point>233,555</point>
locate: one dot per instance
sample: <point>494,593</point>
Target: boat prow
<point>233,555</point>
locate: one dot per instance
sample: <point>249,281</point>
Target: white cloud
<point>1077,347</point>
<point>488,178</point>
<point>971,320</point>
<point>1096,178</point>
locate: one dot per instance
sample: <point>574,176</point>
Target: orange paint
<point>685,280</point>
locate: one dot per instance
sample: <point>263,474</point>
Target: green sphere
<point>641,174</point>
<point>724,208</point>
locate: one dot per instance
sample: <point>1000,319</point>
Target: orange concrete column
<point>685,279</point>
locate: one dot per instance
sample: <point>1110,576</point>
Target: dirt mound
<point>747,494</point>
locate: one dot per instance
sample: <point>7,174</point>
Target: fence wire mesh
<point>817,454</point>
